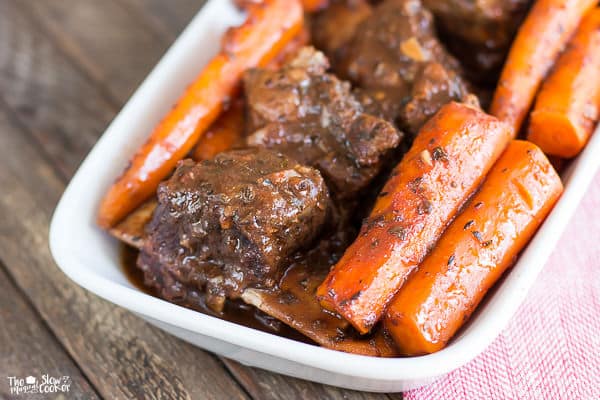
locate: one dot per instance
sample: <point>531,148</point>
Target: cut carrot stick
<point>268,28</point>
<point>476,249</point>
<point>543,34</point>
<point>447,162</point>
<point>223,134</point>
<point>568,105</point>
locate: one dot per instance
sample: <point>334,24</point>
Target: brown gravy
<point>235,311</point>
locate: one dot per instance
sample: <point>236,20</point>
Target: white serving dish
<point>91,258</point>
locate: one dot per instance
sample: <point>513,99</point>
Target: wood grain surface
<point>28,346</point>
<point>66,68</point>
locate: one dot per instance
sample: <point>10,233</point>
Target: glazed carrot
<point>475,250</point>
<point>568,105</point>
<point>268,28</point>
<point>543,34</point>
<point>447,162</point>
<point>223,134</point>
<point>314,5</point>
<point>291,49</point>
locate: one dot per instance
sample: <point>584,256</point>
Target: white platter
<point>91,258</point>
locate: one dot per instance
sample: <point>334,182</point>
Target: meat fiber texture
<point>402,71</point>
<point>231,222</point>
<point>313,116</point>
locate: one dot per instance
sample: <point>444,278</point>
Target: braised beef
<point>393,55</point>
<point>479,32</point>
<point>433,86</point>
<point>313,117</point>
<point>334,26</point>
<point>229,223</point>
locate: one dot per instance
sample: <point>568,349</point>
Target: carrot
<point>223,134</point>
<point>448,160</point>
<point>475,250</point>
<point>543,34</point>
<point>314,5</point>
<point>305,315</point>
<point>268,28</point>
<point>291,49</point>
<point>568,105</point>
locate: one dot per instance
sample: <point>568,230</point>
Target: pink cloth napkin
<point>551,348</point>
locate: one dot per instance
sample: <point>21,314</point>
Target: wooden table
<point>66,69</point>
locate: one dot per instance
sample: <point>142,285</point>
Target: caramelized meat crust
<point>226,224</point>
<point>313,117</point>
